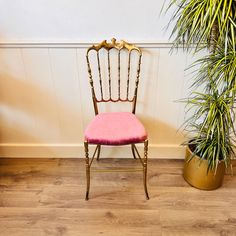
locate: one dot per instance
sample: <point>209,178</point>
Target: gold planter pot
<point>195,173</point>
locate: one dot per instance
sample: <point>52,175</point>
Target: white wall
<point>80,20</point>
<point>45,101</point>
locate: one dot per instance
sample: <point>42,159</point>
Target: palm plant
<point>201,24</point>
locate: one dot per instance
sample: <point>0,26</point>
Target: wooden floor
<point>46,197</point>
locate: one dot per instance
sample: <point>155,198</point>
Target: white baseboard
<point>77,151</point>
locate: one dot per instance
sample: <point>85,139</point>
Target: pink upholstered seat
<point>115,128</point>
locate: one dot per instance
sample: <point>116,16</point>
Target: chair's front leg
<point>87,169</point>
<point>145,168</point>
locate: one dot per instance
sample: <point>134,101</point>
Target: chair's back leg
<point>99,150</point>
<point>133,151</point>
<point>145,168</point>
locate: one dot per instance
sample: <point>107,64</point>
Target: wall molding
<point>78,44</point>
<point>14,150</point>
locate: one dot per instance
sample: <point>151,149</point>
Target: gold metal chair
<point>114,128</point>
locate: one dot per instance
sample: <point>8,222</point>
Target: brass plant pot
<point>195,173</point>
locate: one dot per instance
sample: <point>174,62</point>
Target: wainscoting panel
<point>45,100</point>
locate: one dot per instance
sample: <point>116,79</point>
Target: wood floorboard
<point>46,197</point>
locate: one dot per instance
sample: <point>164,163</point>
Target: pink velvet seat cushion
<point>115,128</point>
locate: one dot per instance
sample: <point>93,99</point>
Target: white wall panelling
<point>45,100</point>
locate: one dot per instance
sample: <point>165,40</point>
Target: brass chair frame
<point>122,45</point>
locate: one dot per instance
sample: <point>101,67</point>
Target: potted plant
<point>208,25</point>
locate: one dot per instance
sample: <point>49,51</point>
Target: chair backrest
<point>106,70</point>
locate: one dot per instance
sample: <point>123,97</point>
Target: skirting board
<point>77,151</point>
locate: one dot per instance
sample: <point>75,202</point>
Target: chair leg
<point>87,169</point>
<point>145,168</point>
<point>99,150</point>
<point>133,151</point>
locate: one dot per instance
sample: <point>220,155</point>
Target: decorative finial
<point>113,40</point>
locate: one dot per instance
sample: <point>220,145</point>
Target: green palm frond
<point>213,126</point>
<point>220,66</point>
<point>194,21</point>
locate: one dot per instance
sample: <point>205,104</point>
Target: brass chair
<point>114,128</point>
